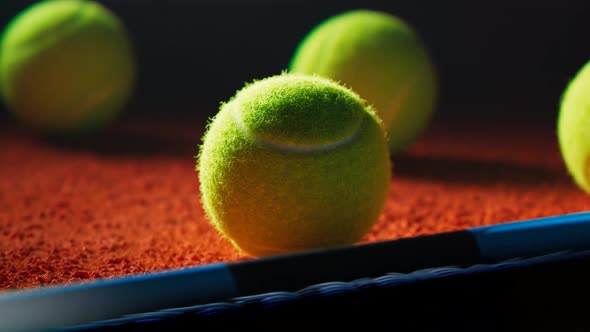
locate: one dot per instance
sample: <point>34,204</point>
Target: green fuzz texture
<point>573,127</point>
<point>66,66</point>
<point>381,58</point>
<point>293,162</point>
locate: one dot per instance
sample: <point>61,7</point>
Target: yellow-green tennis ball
<point>381,58</point>
<point>294,162</point>
<point>66,66</point>
<point>573,127</point>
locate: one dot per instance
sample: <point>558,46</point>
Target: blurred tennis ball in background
<point>381,58</point>
<point>66,66</point>
<point>573,127</point>
<point>294,162</point>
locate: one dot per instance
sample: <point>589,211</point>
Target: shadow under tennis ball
<point>474,171</point>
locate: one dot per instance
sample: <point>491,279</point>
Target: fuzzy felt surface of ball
<point>384,60</point>
<point>293,162</point>
<point>66,66</point>
<point>573,127</point>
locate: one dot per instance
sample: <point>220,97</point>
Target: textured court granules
<point>128,202</point>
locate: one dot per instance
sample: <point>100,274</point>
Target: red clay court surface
<point>128,202</point>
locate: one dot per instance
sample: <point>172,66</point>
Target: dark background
<point>192,55</point>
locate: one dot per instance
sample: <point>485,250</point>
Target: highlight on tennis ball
<point>293,162</point>
<point>66,66</point>
<point>573,127</point>
<point>383,59</point>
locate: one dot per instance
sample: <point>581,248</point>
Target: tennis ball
<point>381,58</point>
<point>66,66</point>
<point>573,127</point>
<point>291,163</point>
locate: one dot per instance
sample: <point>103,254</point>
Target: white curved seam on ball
<point>57,30</point>
<point>301,149</point>
<point>76,108</point>
<point>99,96</point>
